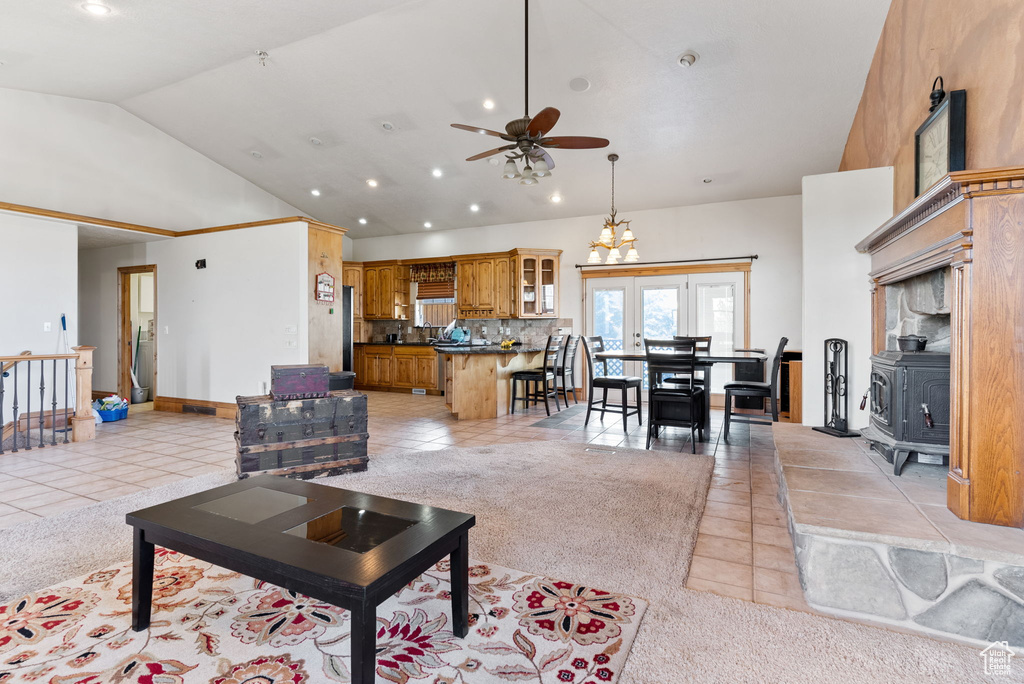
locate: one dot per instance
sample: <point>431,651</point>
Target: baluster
<point>53,409</point>
<point>28,407</point>
<point>67,425</point>
<point>2,374</point>
<point>42,401</point>
<point>14,450</point>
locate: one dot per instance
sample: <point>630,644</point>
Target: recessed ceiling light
<point>96,8</point>
<point>437,173</point>
<point>387,125</point>
<point>428,224</point>
<point>314,192</point>
<point>488,104</point>
<point>362,222</point>
<point>708,180</point>
<point>688,59</point>
<point>256,154</point>
<point>371,182</point>
<point>556,198</point>
<point>474,207</point>
<point>579,84</point>
<point>316,141</point>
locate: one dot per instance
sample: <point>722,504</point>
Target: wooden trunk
<point>299,382</point>
<point>303,437</point>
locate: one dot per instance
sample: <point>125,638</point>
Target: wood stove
<point>909,398</point>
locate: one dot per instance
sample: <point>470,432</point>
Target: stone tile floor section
<point>844,486</point>
<point>743,549</point>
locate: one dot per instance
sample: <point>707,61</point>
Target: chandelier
<point>607,239</point>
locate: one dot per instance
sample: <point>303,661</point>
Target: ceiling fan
<point>528,137</point>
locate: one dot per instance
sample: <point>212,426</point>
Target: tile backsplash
<point>532,331</point>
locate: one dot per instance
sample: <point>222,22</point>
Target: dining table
<point>704,360</point>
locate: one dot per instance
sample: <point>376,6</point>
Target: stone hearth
<point>886,549</point>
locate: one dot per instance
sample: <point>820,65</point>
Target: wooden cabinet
<point>352,276</point>
<point>536,283</point>
<point>504,297</point>
<point>479,288</point>
<point>396,367</point>
<point>385,290</point>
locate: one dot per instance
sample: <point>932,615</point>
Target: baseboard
<point>219,409</point>
<point>389,388</point>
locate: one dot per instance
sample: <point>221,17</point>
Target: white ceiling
<point>771,99</point>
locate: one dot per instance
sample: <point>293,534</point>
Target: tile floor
<point>743,548</point>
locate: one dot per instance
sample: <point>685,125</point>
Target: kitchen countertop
<point>486,349</point>
<point>393,344</point>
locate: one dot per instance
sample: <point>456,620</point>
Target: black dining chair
<point>605,382</point>
<point>703,347</point>
<point>753,388</point>
<point>565,371</point>
<point>540,383</point>
<point>676,404</point>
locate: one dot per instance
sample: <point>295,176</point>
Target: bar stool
<point>566,370</point>
<point>540,383</point>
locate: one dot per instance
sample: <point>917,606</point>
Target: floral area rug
<point>216,626</point>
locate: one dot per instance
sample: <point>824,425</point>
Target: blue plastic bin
<point>113,414</point>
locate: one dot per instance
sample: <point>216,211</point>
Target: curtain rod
<point>670,261</point>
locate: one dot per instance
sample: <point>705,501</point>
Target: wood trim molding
<point>220,409</point>
<point>79,218</point>
<point>139,228</point>
<point>679,269</point>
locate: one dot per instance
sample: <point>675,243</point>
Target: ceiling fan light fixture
<point>540,169</point>
<point>511,170</point>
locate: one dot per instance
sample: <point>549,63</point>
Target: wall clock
<point>940,144</point>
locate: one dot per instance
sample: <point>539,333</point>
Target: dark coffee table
<point>345,548</point>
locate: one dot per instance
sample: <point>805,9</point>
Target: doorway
<point>136,336</point>
<point>626,310</point>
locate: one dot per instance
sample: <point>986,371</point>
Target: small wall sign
<point>324,287</point>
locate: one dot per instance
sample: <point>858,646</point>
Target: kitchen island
<point>478,378</point>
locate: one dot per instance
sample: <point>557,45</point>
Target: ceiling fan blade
<point>573,142</point>
<point>488,153</point>
<point>544,121</point>
<point>477,129</point>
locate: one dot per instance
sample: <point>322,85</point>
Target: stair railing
<point>74,414</point>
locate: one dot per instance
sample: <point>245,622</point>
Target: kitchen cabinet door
<point>426,372</point>
<point>404,366</point>
<point>466,285</point>
<point>484,284</point>
<point>370,293</point>
<point>503,294</point>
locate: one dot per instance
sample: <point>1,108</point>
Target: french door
<point>624,311</point>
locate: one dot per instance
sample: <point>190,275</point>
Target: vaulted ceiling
<point>770,99</point>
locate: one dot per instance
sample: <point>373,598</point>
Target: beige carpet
<point>625,521</point>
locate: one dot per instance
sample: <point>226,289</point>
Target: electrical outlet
<point>483,329</point>
<point>167,330</point>
<point>46,326</point>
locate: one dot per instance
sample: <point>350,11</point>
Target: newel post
<point>83,427</point>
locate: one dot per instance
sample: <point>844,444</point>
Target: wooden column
<point>83,427</point>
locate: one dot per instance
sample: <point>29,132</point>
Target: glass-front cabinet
<point>537,283</point>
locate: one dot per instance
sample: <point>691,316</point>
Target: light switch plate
<point>46,326</point>
<point>291,344</point>
<point>291,330</point>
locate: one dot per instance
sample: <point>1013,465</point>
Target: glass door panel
<point>717,309</point>
<point>547,286</point>
<point>660,312</point>
<point>529,286</point>
<point>610,317</point>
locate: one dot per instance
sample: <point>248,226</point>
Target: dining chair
<point>605,382</point>
<point>540,383</point>
<point>754,388</point>
<point>703,346</point>
<point>676,404</point>
<point>565,371</point>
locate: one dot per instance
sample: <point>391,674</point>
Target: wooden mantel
<point>973,222</point>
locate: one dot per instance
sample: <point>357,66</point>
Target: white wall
<point>219,329</point>
<point>839,209</point>
<point>96,159</point>
<point>38,282</point>
<point>767,227</point>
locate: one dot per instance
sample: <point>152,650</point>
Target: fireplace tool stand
<point>837,401</point>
